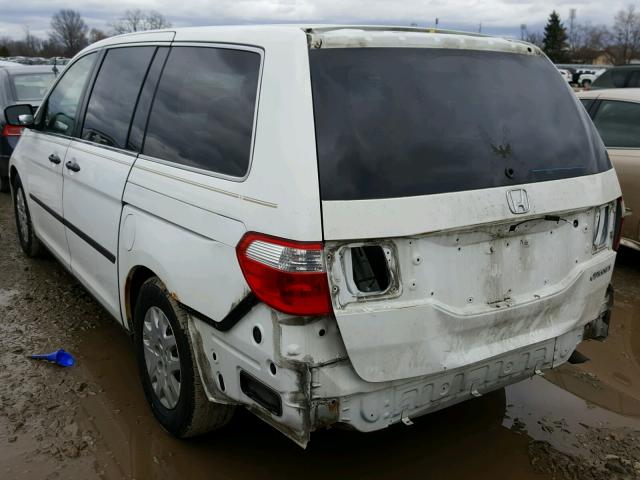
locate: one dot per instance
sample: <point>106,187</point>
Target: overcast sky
<point>502,17</point>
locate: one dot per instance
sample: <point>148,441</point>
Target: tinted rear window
<point>32,86</point>
<point>404,122</point>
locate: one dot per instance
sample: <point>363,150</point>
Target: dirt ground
<point>91,420</point>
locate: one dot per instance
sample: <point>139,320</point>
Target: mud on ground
<point>91,420</point>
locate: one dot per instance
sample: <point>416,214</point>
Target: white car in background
<point>587,77</point>
<point>326,225</point>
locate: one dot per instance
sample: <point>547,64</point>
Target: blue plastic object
<point>61,357</point>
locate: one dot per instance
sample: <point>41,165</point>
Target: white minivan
<point>327,225</point>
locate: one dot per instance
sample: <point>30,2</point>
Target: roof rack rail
<point>386,28</point>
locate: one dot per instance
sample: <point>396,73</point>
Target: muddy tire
<point>168,372</point>
<point>26,234</point>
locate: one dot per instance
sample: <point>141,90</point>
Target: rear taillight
<point>11,130</point>
<point>618,221</point>
<point>286,275</point>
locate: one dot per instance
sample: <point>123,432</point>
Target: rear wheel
<point>168,371</point>
<point>28,240</point>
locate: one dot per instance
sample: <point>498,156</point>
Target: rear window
<point>396,122</point>
<point>32,86</point>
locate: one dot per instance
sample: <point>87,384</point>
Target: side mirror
<point>19,115</point>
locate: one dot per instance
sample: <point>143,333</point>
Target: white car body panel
<point>344,220</point>
<point>43,179</point>
<point>92,204</point>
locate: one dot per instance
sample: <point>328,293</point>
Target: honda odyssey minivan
<point>326,225</point>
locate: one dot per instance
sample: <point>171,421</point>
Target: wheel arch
<point>135,278</point>
<point>13,175</point>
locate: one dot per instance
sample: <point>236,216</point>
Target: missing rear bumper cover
<point>262,394</point>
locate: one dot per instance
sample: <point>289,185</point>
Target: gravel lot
<point>91,421</point>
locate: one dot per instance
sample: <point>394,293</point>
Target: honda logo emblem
<point>518,200</point>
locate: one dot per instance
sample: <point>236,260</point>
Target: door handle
<point>53,158</point>
<point>72,165</point>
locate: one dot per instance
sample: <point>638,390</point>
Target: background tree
<point>31,45</point>
<point>95,35</point>
<point>625,45</point>
<point>69,31</point>
<point>590,42</point>
<point>138,21</point>
<point>555,39</point>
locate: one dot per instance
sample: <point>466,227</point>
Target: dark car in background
<point>627,76</point>
<point>18,84</point>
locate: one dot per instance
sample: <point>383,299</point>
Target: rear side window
<point>203,112</point>
<point>618,123</point>
<point>64,99</point>
<point>114,95</point>
<point>32,86</point>
<point>396,122</point>
<point>614,78</point>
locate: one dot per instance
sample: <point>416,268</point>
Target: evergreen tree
<point>555,39</point>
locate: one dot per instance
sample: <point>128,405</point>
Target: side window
<point>586,103</point>
<point>203,112</point>
<point>114,95</point>
<point>618,124</point>
<point>634,79</point>
<point>64,101</point>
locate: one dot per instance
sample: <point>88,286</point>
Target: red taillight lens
<point>619,220</point>
<point>11,130</point>
<point>286,275</point>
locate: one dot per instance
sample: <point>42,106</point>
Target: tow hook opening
<point>370,269</point>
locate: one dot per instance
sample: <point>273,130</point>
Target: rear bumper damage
<point>322,389</point>
<point>340,396</point>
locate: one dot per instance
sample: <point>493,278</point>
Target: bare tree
<point>589,42</point>
<point>138,21</point>
<point>31,45</point>
<point>95,35</point>
<point>626,36</point>
<point>69,31</point>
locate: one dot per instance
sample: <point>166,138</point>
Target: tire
<point>26,234</point>
<point>177,399</point>
<point>4,184</point>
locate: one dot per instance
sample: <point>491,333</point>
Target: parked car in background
<point>626,76</point>
<point>18,84</point>
<point>254,205</point>
<point>616,115</point>
<point>566,74</point>
<point>587,77</point>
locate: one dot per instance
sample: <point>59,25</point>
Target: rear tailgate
<point>460,190</point>
<point>463,295</point>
